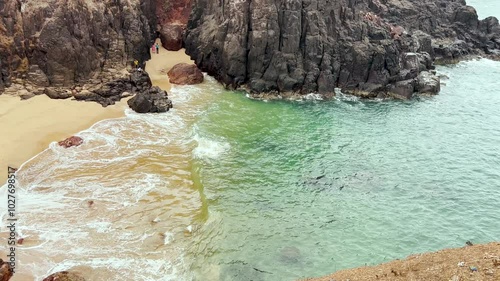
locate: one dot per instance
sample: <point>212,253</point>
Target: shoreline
<point>29,126</point>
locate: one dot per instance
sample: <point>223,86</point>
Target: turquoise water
<point>395,178</point>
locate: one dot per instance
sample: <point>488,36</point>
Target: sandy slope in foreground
<point>29,126</point>
<point>438,266</point>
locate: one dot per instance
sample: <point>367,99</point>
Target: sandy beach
<point>161,63</point>
<point>29,126</point>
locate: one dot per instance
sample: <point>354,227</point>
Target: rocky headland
<point>369,48</point>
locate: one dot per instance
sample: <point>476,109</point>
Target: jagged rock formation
<point>58,43</point>
<point>173,16</point>
<point>365,47</point>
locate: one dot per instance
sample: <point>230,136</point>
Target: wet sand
<point>161,63</point>
<point>29,126</point>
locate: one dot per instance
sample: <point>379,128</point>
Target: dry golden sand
<point>438,266</point>
<point>29,126</point>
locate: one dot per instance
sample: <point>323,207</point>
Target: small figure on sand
<point>153,48</point>
<point>157,45</point>
<point>136,64</point>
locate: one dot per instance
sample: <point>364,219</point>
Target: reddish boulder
<point>171,36</point>
<point>5,272</point>
<point>64,276</point>
<point>185,74</point>
<point>71,141</point>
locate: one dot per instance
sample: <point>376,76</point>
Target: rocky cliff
<point>173,16</point>
<point>55,43</point>
<point>366,47</point>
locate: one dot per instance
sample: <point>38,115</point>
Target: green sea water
<point>307,188</point>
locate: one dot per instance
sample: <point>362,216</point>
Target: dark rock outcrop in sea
<point>370,48</point>
<point>185,74</point>
<point>153,100</point>
<point>55,46</point>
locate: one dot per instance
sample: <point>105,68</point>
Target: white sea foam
<point>209,148</point>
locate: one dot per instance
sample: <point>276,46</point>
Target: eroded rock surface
<point>365,47</point>
<point>64,276</point>
<point>61,43</point>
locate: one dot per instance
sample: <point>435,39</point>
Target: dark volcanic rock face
<point>60,43</point>
<point>366,47</point>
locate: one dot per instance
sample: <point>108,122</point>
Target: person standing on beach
<point>136,64</point>
<point>153,48</point>
<point>157,48</point>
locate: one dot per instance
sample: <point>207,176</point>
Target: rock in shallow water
<point>150,101</point>
<point>185,74</point>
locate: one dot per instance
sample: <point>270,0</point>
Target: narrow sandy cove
<point>29,126</point>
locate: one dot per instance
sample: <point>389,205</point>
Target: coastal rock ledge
<point>369,48</point>
<point>154,100</point>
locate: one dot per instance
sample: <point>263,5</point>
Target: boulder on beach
<point>64,276</point>
<point>71,141</point>
<point>153,100</point>
<point>185,74</point>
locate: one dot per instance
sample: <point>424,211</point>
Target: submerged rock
<point>185,74</point>
<point>150,101</point>
<point>64,276</point>
<point>71,141</point>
